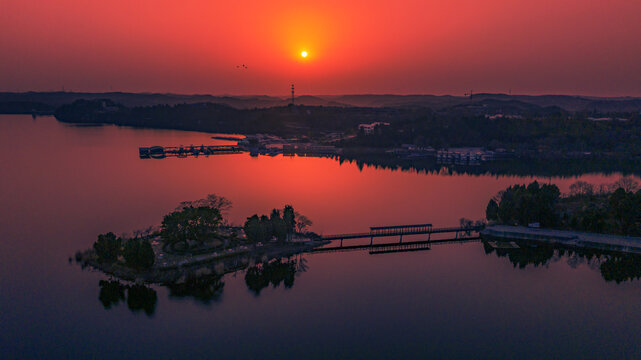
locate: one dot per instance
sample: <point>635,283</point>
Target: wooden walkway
<point>384,231</point>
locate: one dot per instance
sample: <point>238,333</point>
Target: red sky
<point>584,47</point>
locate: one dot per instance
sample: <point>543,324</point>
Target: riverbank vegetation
<point>607,208</point>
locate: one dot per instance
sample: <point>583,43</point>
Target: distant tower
<point>292,94</point>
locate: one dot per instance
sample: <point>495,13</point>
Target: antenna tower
<point>292,94</point>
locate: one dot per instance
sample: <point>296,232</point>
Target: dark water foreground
<point>61,185</point>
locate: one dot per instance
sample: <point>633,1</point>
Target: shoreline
<point>197,265</point>
<point>584,240</point>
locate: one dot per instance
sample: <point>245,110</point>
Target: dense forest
<point>545,134</point>
<point>282,121</point>
<point>548,132</point>
<point>609,208</point>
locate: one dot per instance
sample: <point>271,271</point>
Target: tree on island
<point>289,216</point>
<point>138,253</point>
<point>279,227</point>
<point>302,223</point>
<point>107,247</point>
<point>190,224</point>
<point>212,200</point>
<point>252,228</point>
<point>263,228</point>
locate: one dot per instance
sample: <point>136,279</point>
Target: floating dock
<point>160,152</point>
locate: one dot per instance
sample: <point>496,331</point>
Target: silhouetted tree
<point>302,223</point>
<point>108,247</point>
<point>279,228</point>
<point>492,211</point>
<point>290,220</point>
<point>213,201</point>
<point>190,223</point>
<point>139,254</point>
<point>252,228</point>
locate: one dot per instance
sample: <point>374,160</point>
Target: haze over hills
<point>43,101</point>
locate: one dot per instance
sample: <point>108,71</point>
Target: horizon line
<point>316,95</point>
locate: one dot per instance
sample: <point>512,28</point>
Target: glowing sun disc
<point>303,54</point>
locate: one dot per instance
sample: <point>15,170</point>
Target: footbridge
<point>460,233</point>
<point>400,230</point>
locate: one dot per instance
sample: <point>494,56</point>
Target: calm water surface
<point>62,185</point>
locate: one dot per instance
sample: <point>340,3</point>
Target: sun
<point>303,53</point>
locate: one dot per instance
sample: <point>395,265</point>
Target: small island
<point>196,240</point>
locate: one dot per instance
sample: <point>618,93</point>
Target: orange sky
<point>436,47</point>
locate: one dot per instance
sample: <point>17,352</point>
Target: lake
<point>62,185</point>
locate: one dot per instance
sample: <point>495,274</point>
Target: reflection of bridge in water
<point>461,234</point>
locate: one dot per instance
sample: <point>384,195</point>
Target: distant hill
<point>529,103</point>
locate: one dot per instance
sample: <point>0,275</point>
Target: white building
<point>369,128</point>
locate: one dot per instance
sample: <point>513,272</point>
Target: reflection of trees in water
<point>205,289</point>
<point>138,297</point>
<point>518,167</point>
<point>613,266</point>
<point>111,293</point>
<point>622,268</point>
<point>275,272</point>
<point>524,256</point>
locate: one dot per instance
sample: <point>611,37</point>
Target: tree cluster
<point>196,224</point>
<point>607,208</point>
<point>137,252</point>
<point>263,228</point>
<point>604,211</point>
<point>108,247</point>
<point>522,205</point>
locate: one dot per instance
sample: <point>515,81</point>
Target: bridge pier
<point>401,239</point>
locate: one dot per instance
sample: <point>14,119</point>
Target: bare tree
<point>628,183</point>
<point>605,189</point>
<point>302,222</point>
<point>212,200</point>
<point>581,188</point>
